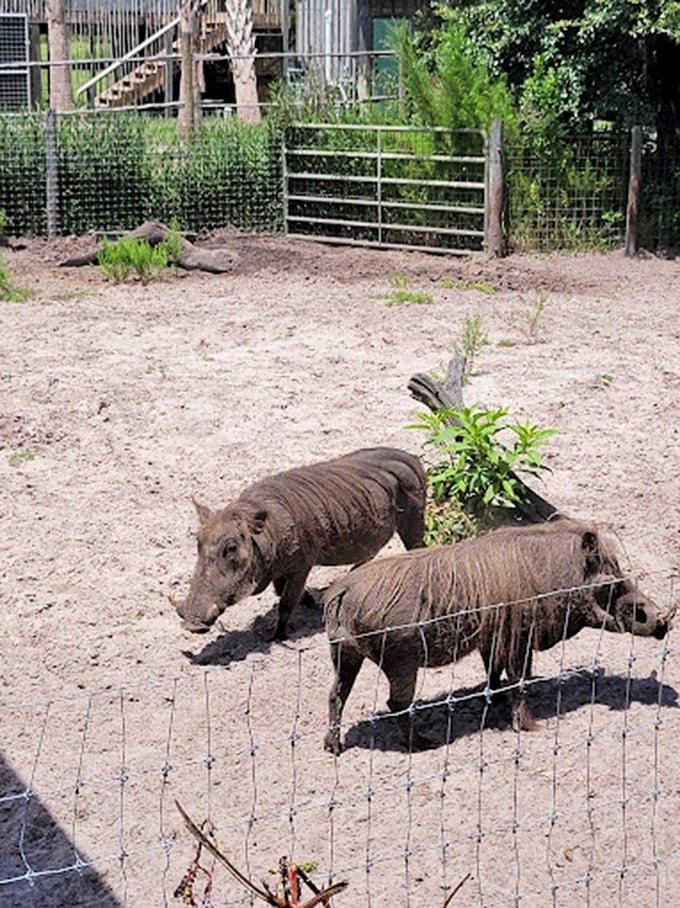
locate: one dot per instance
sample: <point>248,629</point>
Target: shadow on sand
<point>469,713</point>
<point>39,865</point>
<point>233,646</point>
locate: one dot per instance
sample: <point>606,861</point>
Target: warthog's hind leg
<point>347,662</point>
<point>402,676</point>
<point>411,520</point>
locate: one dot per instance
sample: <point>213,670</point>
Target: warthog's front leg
<point>290,589</point>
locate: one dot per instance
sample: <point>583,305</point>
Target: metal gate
<point>388,186</point>
<point>14,77</point>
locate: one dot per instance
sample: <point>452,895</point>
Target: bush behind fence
<point>111,170</point>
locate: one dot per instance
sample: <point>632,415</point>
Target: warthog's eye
<point>229,548</point>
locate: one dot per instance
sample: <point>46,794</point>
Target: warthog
<point>504,594</point>
<point>340,511</point>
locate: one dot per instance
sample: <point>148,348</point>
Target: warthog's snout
<point>665,621</point>
<point>194,623</point>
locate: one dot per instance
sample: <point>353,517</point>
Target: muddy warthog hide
<point>503,594</point>
<point>340,511</point>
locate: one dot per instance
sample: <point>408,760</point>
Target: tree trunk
<point>189,116</point>
<point>61,87</point>
<point>241,44</point>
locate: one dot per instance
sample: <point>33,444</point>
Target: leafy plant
<point>528,322</point>
<point>396,297</point>
<point>117,261</point>
<point>473,470</point>
<point>18,457</point>
<point>8,289</point>
<point>472,339</point>
<point>403,293</point>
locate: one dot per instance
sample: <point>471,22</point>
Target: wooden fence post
<point>633,191</point>
<point>494,214</point>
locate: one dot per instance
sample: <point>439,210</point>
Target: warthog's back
<point>343,511</point>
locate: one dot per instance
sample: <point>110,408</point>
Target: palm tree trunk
<point>241,44</point>
<point>61,87</point>
<point>189,116</point>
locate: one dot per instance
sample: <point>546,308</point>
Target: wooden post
<point>169,74</point>
<point>494,215</point>
<point>36,70</point>
<point>189,93</point>
<point>633,191</point>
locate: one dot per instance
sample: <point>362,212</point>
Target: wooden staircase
<point>150,75</point>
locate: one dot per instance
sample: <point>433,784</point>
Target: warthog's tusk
<point>668,615</point>
<point>172,601</point>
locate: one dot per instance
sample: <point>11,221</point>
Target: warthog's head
<point>229,564</point>
<point>619,605</point>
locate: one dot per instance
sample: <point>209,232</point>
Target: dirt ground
<point>120,403</point>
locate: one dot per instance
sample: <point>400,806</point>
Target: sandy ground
<point>118,403</point>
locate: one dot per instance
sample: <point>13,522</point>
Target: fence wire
<point>110,170</point>
<point>569,195</point>
<point>581,811</point>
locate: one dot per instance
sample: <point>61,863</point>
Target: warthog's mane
<point>514,565</point>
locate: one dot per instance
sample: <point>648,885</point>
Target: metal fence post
<point>494,206</point>
<point>633,191</point>
<point>52,172</point>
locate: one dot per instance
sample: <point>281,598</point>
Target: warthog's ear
<point>257,520</point>
<point>204,513</point>
<point>590,544</point>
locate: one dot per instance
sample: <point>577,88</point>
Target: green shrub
<point>473,471</point>
<point>117,261</point>
<point>8,289</point>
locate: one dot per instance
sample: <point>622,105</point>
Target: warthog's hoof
<point>332,743</point>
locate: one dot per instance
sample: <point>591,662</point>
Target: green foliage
<point>104,172</point>
<point>472,338</point>
<point>473,469</point>
<point>117,170</point>
<point>16,458</point>
<point>230,173</point>
<point>23,178</point>
<point>447,86</point>
<point>403,292</point>
<point>8,289</point>
<point>117,261</point>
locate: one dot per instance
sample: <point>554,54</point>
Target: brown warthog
<point>504,594</point>
<point>340,511</point>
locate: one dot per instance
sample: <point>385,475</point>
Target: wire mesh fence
<point>660,195</point>
<point>567,196</point>
<point>581,811</point>
<point>110,170</point>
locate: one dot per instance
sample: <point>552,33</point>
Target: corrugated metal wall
<point>326,36</point>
